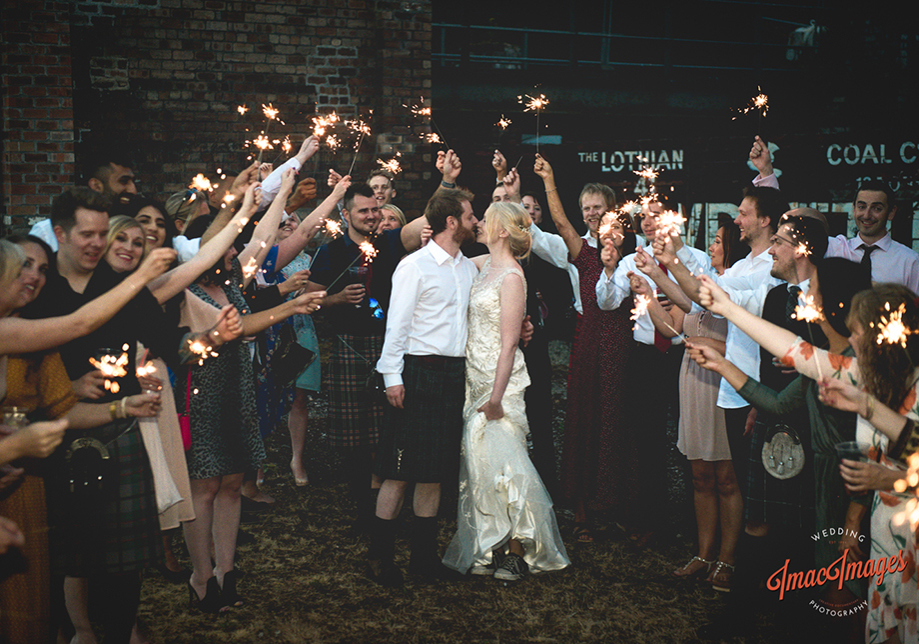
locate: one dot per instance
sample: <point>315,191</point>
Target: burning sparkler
<point>534,104</point>
<point>367,251</point>
<point>891,329</point>
<point>200,182</point>
<point>333,228</point>
<point>392,165</point>
<point>202,350</point>
<point>760,102</point>
<point>250,268</point>
<point>242,109</point>
<point>641,308</point>
<point>333,142</point>
<point>111,366</point>
<point>503,122</point>
<point>364,130</point>
<point>425,111</point>
<point>807,311</point>
<point>670,223</point>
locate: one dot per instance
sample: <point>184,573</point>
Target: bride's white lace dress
<point>500,494</point>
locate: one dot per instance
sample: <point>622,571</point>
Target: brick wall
<point>166,77</point>
<point>37,106</point>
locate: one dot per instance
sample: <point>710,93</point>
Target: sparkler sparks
<point>368,250</point>
<point>670,222</point>
<point>891,329</point>
<point>503,122</point>
<point>270,112</point>
<point>333,227</point>
<point>250,268</point>
<point>431,137</point>
<point>333,142</point>
<point>322,123</point>
<point>242,109</point>
<point>392,165</point>
<point>649,174</point>
<point>533,103</point>
<point>760,103</point>
<point>200,182</point>
<point>807,311</point>
<point>112,366</point>
<point>641,306</point>
<point>202,350</point>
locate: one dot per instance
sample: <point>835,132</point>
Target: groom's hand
<point>526,331</point>
<point>395,395</point>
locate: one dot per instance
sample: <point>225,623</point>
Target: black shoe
<point>513,568</point>
<point>254,507</point>
<point>385,574</point>
<point>228,595</point>
<point>211,602</point>
<point>173,576</point>
<point>244,538</point>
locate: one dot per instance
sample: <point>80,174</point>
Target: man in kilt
<point>357,306</point>
<point>423,367</point>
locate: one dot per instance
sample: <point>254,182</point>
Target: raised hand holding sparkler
<point>449,165</point>
<point>713,297</point>
<point>499,163</point>
<point>761,157</point>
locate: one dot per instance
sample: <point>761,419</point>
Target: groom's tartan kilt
<point>355,415</point>
<point>421,443</point>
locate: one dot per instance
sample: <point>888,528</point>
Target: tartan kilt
<point>782,503</point>
<point>421,443</point>
<point>122,534</point>
<point>355,415</point>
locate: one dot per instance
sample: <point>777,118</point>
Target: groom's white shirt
<point>427,309</point>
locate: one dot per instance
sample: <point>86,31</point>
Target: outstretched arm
<point>23,336</point>
<point>572,240</point>
<point>266,231</point>
<point>305,304</point>
<point>289,248</point>
<point>513,305</point>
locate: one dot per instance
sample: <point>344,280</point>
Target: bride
<point>506,525</point>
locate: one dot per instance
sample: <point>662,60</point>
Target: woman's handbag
<point>184,419</point>
<point>289,359</point>
<point>783,453</point>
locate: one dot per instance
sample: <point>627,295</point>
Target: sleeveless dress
<point>599,453</point>
<point>501,496</point>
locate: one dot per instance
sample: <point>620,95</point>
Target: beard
<point>463,235</point>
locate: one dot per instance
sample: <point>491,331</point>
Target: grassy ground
<point>304,580</point>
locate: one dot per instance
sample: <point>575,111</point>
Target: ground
<point>304,577</point>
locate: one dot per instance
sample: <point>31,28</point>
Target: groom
<point>423,367</point>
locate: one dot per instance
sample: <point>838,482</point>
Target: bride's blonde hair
<point>514,219</point>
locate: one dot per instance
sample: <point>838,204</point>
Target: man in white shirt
<point>873,247</point>
<point>108,172</point>
<point>758,219</point>
<point>654,366</point>
<point>423,367</point>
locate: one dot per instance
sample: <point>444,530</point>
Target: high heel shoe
<point>228,595</point>
<point>211,602</point>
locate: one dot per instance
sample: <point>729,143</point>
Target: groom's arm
<point>406,290</point>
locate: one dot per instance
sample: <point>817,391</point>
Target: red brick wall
<point>166,76</point>
<point>37,106</point>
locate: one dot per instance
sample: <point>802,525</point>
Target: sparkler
<point>202,350</point>
<point>242,109</point>
<point>112,366</point>
<point>364,129</point>
<point>534,104</point>
<point>250,268</point>
<point>891,329</point>
<point>670,222</point>
<point>807,311</point>
<point>367,251</point>
<point>503,122</point>
<point>200,182</point>
<point>392,165</point>
<point>333,142</point>
<point>760,102</point>
<point>641,308</point>
<point>262,142</point>
<point>333,227</point>
<point>425,111</point>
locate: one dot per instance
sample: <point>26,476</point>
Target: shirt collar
<point>883,243</point>
<point>440,255</point>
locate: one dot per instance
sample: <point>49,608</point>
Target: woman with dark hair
<point>884,367</point>
<point>158,226</point>
<point>702,436</point>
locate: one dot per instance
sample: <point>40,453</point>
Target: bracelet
<point>112,408</point>
<point>551,190</point>
<point>869,407</point>
<point>447,184</point>
<point>124,412</point>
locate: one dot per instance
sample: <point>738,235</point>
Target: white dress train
<point>501,496</point>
